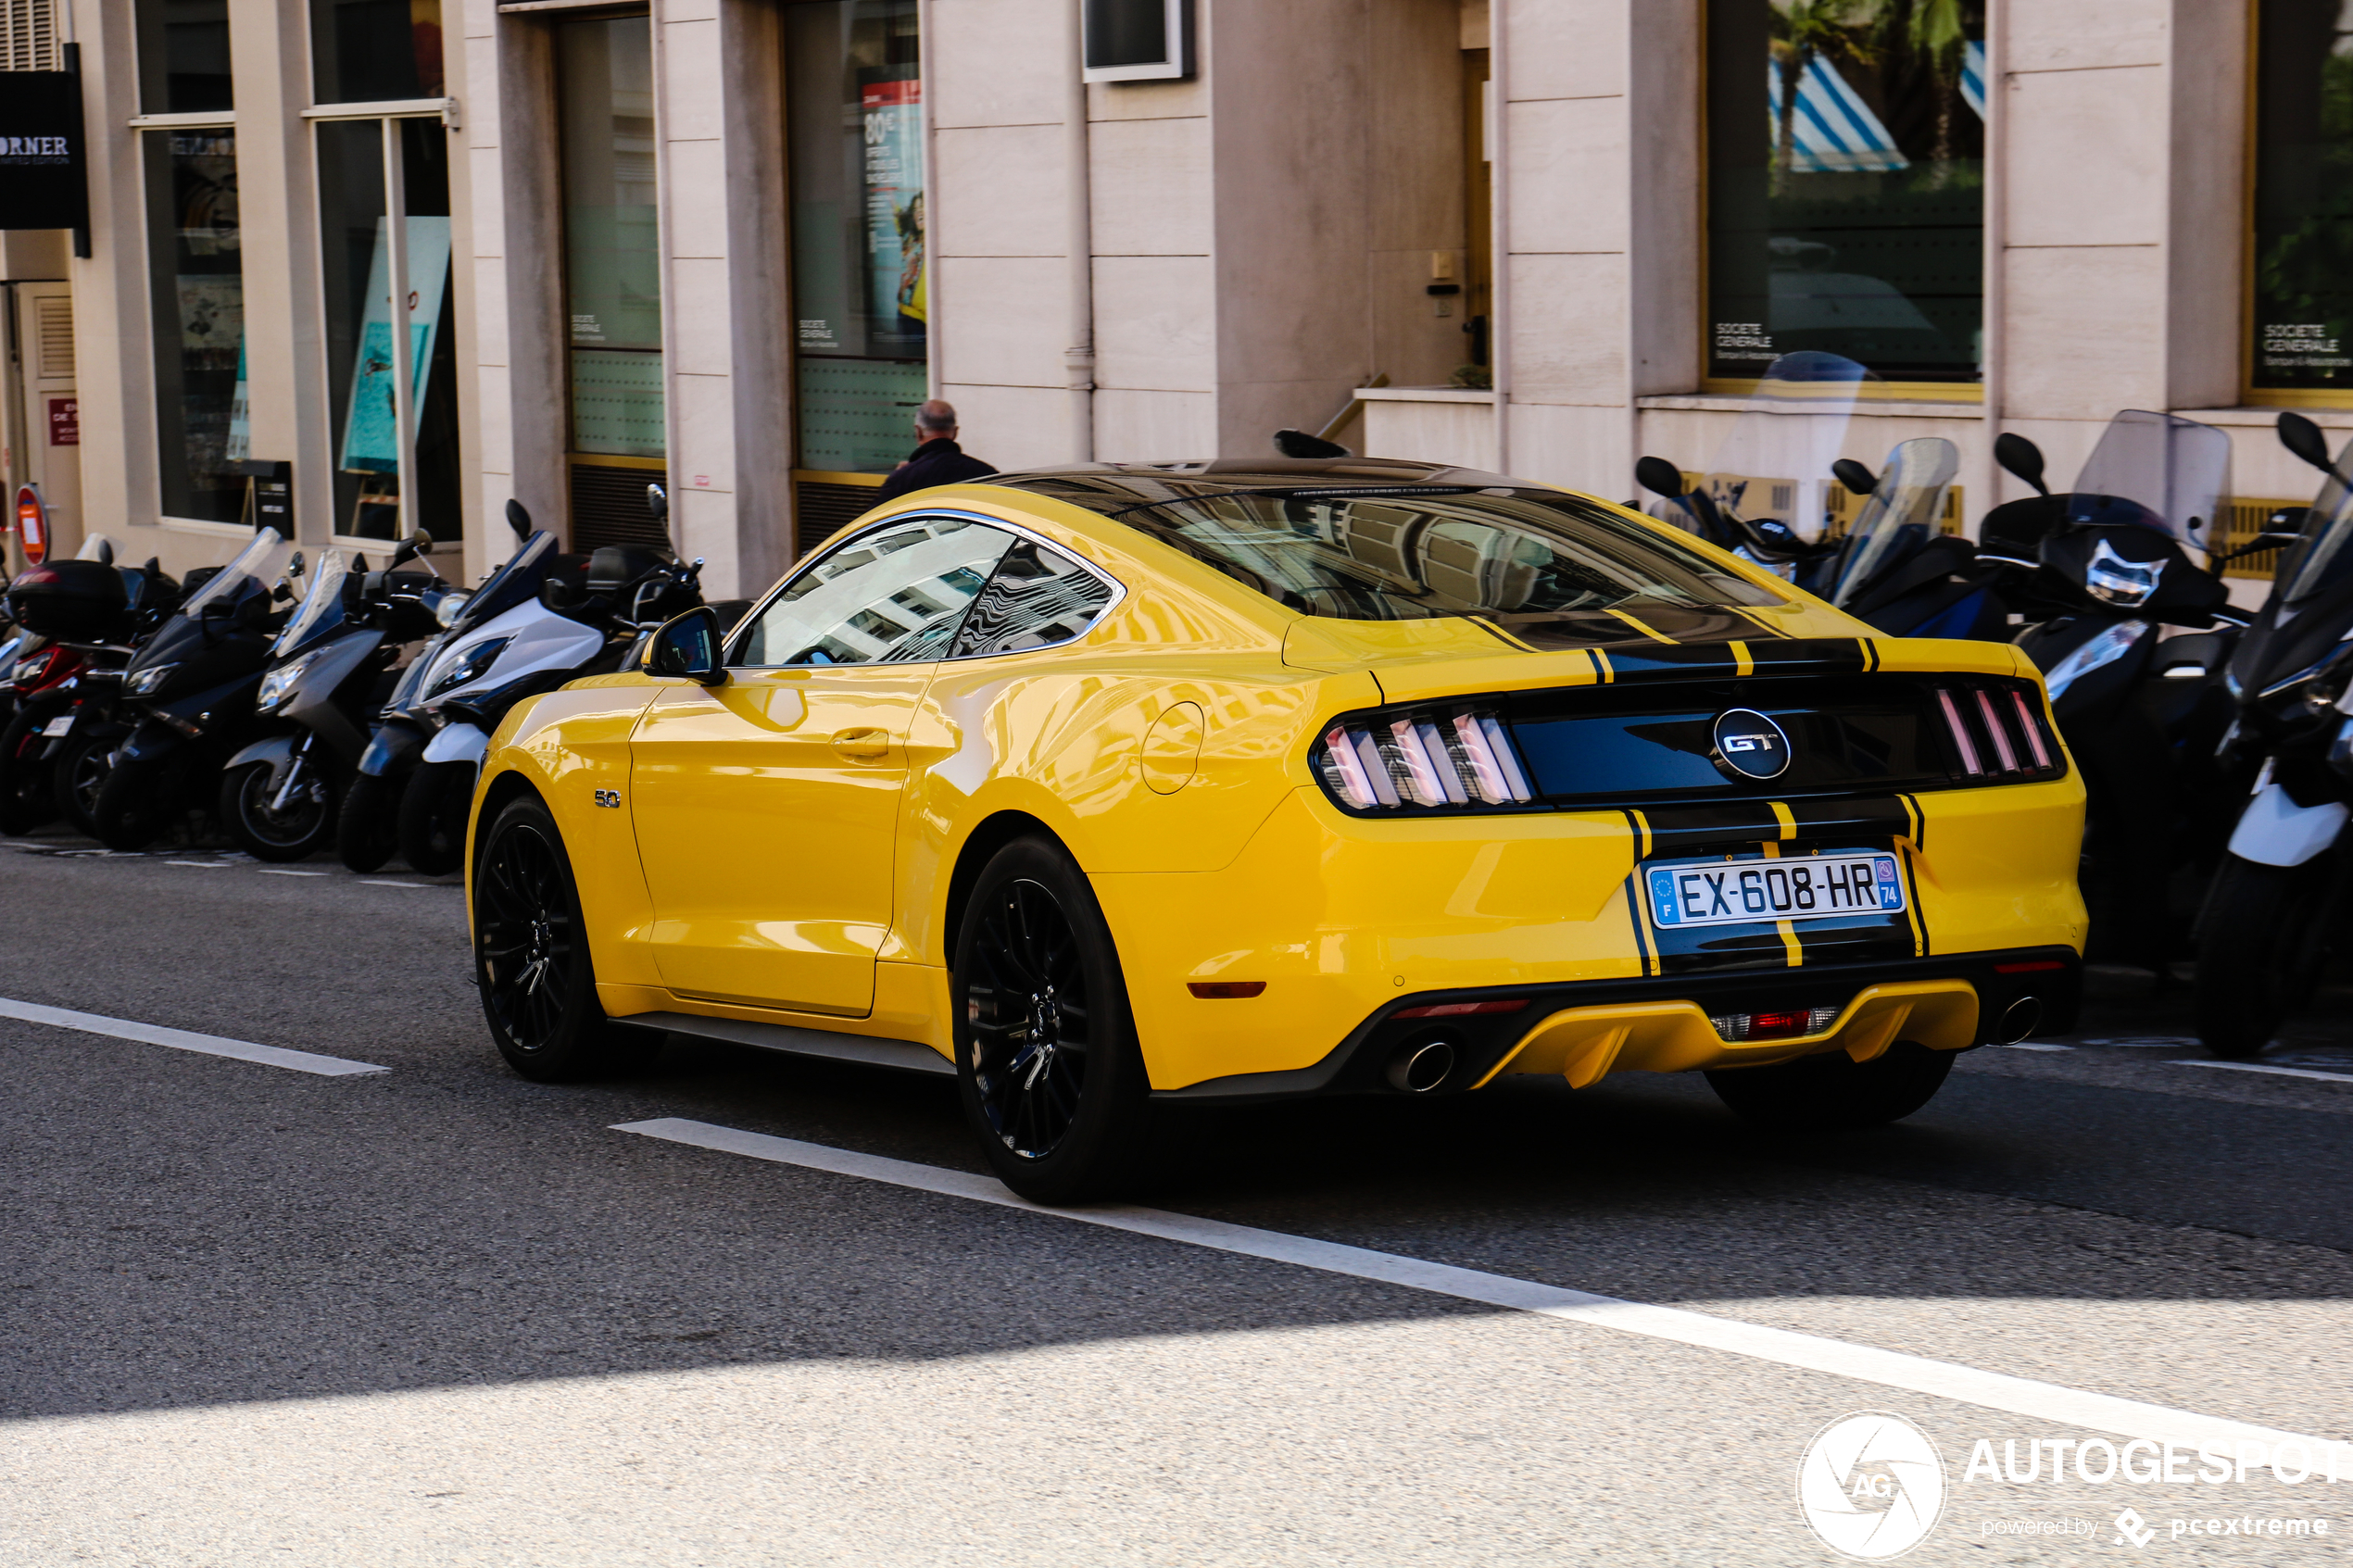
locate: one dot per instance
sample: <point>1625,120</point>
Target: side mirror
<point>1854,476</point>
<point>416,545</point>
<point>1299,444</point>
<point>106,552</point>
<point>688,646</point>
<point>2303,437</point>
<point>2022,457</point>
<point>1658,474</point>
<point>657,502</point>
<point>517,518</point>
<point>295,565</point>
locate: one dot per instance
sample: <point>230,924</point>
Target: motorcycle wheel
<point>366,828</point>
<point>298,832</point>
<point>77,775</point>
<point>2262,942</point>
<point>432,816</point>
<point>26,798</point>
<point>134,805</point>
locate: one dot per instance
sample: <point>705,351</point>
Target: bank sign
<point>42,185</point>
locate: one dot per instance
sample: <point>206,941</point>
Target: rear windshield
<point>1549,567</point>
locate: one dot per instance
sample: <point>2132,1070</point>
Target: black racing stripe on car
<point>1704,948</point>
<point>1886,817</point>
<point>1870,653</point>
<point>1861,941</point>
<point>1915,916</point>
<point>1645,940</point>
<point>1771,626</point>
<point>1823,655</point>
<point>1680,830</point>
<point>1693,623</point>
<point>1603,670</point>
<point>1641,829</point>
<point>1677,661</point>
<point>1916,830</point>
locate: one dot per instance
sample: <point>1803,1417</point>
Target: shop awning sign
<point>41,180</point>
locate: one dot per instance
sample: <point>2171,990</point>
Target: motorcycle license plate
<point>1748,891</point>
<point>61,725</point>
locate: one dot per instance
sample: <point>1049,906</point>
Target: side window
<point>893,596</point>
<point>1038,598</point>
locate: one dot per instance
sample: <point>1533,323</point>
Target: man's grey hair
<point>937,415</point>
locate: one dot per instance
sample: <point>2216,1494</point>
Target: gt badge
<point>1750,745</point>
<point>609,797</point>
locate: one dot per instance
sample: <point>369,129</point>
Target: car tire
<point>306,826</point>
<point>26,797</point>
<point>367,826</point>
<point>1831,1092</point>
<point>2263,941</point>
<point>76,775</point>
<point>433,817</point>
<point>135,805</point>
<point>532,964</point>
<point>1066,1128</point>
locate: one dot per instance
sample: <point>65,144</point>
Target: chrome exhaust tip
<point>1421,1066</point>
<point>2020,1020</point>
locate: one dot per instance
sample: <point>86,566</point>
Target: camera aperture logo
<point>1871,1486</point>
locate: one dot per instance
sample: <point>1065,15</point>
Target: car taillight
<point>1734,1027</point>
<point>1995,733</point>
<point>1426,759</point>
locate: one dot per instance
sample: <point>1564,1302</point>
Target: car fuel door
<point>765,810</point>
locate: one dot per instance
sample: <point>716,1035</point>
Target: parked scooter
<point>2271,920</point>
<point>189,696</point>
<point>500,656</point>
<point>331,669</point>
<point>2110,563</point>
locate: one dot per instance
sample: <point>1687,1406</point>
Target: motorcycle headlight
<point>2103,649</point>
<point>147,681</point>
<point>467,665</point>
<point>279,683</point>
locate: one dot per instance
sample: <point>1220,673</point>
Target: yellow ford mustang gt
<point>1114,787</point>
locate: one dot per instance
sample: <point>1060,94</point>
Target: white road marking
<point>268,871</point>
<point>2266,1067</point>
<point>2147,1042</point>
<point>181,1040</point>
<point>1891,1369</point>
<point>366,881</point>
<point>201,865</point>
<point>2036,1045</point>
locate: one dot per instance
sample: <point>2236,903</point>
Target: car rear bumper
<point>1584,1031</point>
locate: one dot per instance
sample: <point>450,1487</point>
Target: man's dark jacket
<point>939,462</point>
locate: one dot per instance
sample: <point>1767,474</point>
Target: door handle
<point>861,746</point>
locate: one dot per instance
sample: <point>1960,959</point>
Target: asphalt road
<point>441,1315</point>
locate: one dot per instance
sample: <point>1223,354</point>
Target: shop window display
<point>376,51</point>
<point>1846,185</point>
<point>195,271</point>
<point>612,261</point>
<point>2302,319</point>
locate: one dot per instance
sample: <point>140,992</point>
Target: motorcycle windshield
<point>1776,463</point>
<point>2324,557</point>
<point>2175,471</point>
<point>258,566</point>
<point>1900,515</point>
<point>510,585</point>
<point>321,608</point>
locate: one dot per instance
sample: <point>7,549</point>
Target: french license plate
<point>61,725</point>
<point>1799,887</point>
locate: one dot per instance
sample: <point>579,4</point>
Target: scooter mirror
<point>1854,476</point>
<point>517,518</point>
<point>657,502</point>
<point>2303,437</point>
<point>1299,444</point>
<point>2022,457</point>
<point>1658,474</point>
<point>294,566</point>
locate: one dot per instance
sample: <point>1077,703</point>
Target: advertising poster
<point>893,114</point>
<point>369,429</point>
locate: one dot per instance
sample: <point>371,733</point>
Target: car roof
<point>1112,488</point>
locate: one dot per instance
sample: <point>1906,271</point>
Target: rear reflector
<point>2038,965</point>
<point>1788,1024</point>
<point>1216,990</point>
<point>1457,1009</point>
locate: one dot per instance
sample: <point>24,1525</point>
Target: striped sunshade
<point>1835,132</point>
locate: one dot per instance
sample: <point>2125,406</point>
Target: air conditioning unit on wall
<point>1138,40</point>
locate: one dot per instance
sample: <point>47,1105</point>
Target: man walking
<point>937,459</point>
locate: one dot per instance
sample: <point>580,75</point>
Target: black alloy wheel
<point>1831,1092</point>
<point>531,957</point>
<point>26,797</point>
<point>366,826</point>
<point>77,774</point>
<point>1047,1062</point>
<point>271,822</point>
<point>2264,939</point>
<point>431,822</point>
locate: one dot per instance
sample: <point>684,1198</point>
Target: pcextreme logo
<point>1871,1486</point>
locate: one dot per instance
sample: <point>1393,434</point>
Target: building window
<point>196,281</point>
<point>861,295</point>
<point>376,51</point>
<point>2303,263</point>
<point>184,55</point>
<point>371,479</point>
<point>1846,185</point>
<point>612,258</point>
